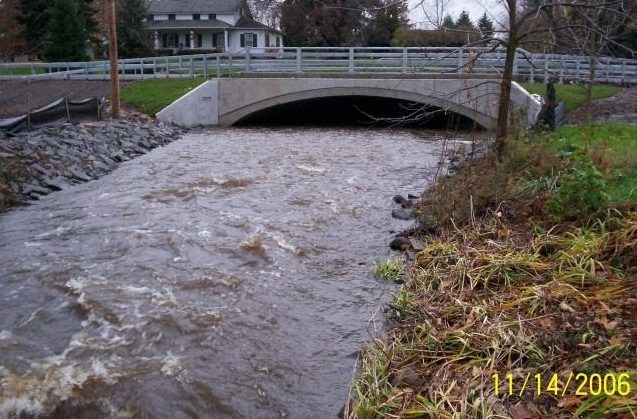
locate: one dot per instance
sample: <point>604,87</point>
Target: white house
<point>222,25</point>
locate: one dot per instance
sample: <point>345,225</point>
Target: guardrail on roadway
<point>406,61</point>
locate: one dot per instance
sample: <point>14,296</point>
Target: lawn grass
<point>20,71</point>
<point>151,96</point>
<point>613,149</point>
<point>573,95</point>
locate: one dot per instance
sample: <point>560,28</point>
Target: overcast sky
<point>475,8</point>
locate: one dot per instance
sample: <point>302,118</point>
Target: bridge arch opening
<point>357,110</point>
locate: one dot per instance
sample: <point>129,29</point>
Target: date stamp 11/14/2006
<point>579,384</point>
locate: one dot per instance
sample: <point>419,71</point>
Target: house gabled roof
<point>247,23</point>
<point>193,6</point>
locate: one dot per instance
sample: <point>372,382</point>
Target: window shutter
<point>254,40</point>
<point>243,40</point>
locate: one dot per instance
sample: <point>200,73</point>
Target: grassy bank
<point>532,283</point>
<point>151,96</point>
<point>573,95</point>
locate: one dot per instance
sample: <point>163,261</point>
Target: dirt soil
<point>620,108</point>
<point>18,97</point>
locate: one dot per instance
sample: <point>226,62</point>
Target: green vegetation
<point>391,269</point>
<point>529,268</point>
<point>151,96</point>
<point>68,31</point>
<point>613,149</point>
<point>573,95</point>
<point>20,71</point>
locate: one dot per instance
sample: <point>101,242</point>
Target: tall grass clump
<point>391,269</point>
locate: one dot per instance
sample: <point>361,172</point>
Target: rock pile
<point>36,163</point>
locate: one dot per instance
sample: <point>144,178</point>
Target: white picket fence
<point>419,62</point>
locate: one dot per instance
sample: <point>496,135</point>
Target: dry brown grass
<point>489,299</point>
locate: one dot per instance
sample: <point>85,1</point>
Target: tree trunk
<point>502,124</point>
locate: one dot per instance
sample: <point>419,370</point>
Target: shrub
<point>581,190</point>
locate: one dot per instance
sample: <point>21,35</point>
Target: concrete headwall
<point>226,101</point>
<point>200,107</point>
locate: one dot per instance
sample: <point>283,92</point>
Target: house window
<point>212,16</point>
<point>218,40</point>
<point>169,40</point>
<point>248,40</point>
<point>267,39</point>
<point>171,17</point>
<point>196,17</point>
<point>278,41</point>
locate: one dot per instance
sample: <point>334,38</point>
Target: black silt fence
<point>60,111</point>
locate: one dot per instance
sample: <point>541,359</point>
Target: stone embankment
<point>38,162</point>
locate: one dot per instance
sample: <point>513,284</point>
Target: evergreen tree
<point>68,36</point>
<point>11,42</point>
<point>485,25</point>
<point>131,39</point>
<point>384,23</point>
<point>448,22</point>
<point>464,22</point>
<point>33,15</point>
<point>325,22</point>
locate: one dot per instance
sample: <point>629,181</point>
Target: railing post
<point>532,72</point>
<point>192,69</point>
<point>546,68</point>
<point>248,59</point>
<point>299,58</point>
<point>577,69</point>
<point>167,67</point>
<point>141,68</point>
<point>404,60</point>
<point>460,60</point>
<point>351,60</point>
<point>154,68</point>
<point>32,69</point>
<point>562,69</point>
<point>218,63</point>
<point>623,70</point>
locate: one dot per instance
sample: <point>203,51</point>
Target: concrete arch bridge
<point>225,102</point>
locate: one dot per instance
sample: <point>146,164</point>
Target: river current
<point>228,274</point>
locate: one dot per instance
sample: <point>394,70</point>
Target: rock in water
<point>403,213</point>
<point>400,243</point>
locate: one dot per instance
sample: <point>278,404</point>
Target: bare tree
<point>434,11</point>
<point>267,11</point>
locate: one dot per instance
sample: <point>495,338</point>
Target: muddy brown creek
<point>228,274</point>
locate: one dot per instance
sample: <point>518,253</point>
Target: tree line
<point>69,30</point>
<point>371,23</point>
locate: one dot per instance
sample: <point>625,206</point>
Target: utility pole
<point>112,52</point>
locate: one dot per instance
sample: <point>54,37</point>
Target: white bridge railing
<point>453,62</point>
